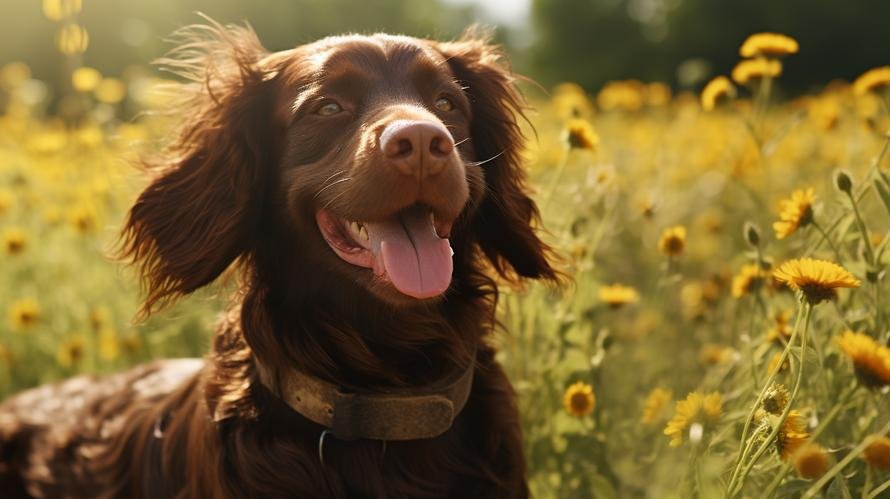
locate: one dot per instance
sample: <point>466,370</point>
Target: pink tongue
<point>417,261</point>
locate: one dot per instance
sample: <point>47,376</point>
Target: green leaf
<point>882,186</point>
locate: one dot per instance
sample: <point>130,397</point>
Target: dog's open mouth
<point>410,249</point>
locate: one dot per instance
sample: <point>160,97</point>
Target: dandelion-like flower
<point>579,399</point>
<point>774,365</point>
<point>717,90</point>
<point>581,135</point>
<point>871,360</point>
<point>72,351</point>
<point>818,280</point>
<point>775,399</point>
<point>15,240</point>
<point>673,240</point>
<point>755,69</point>
<point>811,461</point>
<point>877,454</point>
<point>795,212</point>
<point>695,408</point>
<point>655,403</point>
<point>872,80</point>
<point>792,435</point>
<point>24,314</point>
<point>749,279</point>
<point>617,295</point>
<point>768,44</point>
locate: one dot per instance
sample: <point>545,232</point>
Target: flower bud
<point>752,234</point>
<point>843,182</point>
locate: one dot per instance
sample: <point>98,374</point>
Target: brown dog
<point>340,176</point>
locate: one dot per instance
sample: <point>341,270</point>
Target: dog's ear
<point>196,215</point>
<point>505,221</point>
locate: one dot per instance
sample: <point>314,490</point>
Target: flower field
<point>724,328</point>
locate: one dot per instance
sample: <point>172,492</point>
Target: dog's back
<point>49,434</point>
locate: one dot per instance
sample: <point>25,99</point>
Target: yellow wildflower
<point>110,91</point>
<point>780,331</point>
<point>695,408</point>
<point>877,454</point>
<point>768,44</point>
<point>748,280</point>
<point>792,435</point>
<point>579,399</point>
<point>618,295</point>
<point>872,80</point>
<point>85,79</point>
<point>818,280</point>
<point>24,314</point>
<point>775,399</point>
<point>718,89</point>
<point>581,135</point>
<point>673,240</point>
<point>712,354</point>
<point>15,240</point>
<point>752,69</point>
<point>626,95</point>
<point>811,461</point>
<point>72,351</point>
<point>655,403</point>
<point>871,360</point>
<point>795,212</point>
<point>72,39</point>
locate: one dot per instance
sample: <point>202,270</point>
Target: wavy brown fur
<point>235,186</point>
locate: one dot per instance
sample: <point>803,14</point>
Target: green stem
<point>837,468</point>
<point>775,431</point>
<point>837,253</point>
<point>863,230</point>
<point>560,168</point>
<point>744,445</point>
<point>880,488</point>
<point>823,425</point>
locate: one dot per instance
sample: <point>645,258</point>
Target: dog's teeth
<point>363,232</point>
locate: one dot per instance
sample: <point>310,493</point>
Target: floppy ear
<point>195,217</point>
<point>505,221</point>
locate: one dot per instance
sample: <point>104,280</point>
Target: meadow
<point>724,331</point>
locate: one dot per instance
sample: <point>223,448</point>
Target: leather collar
<point>397,414</point>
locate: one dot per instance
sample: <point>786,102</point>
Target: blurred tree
<point>593,41</point>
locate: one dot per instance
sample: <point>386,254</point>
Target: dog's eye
<point>329,108</point>
<point>444,104</point>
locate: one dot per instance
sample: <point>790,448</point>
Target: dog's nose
<point>415,147</point>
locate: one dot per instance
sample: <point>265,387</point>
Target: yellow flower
<point>655,403</point>
<point>15,240</point>
<point>658,94</point>
<point>579,399</point>
<point>581,135</point>
<point>716,90</point>
<point>57,10</point>
<point>792,435</point>
<point>817,279</point>
<point>768,44</point>
<point>695,408</point>
<point>85,79</point>
<point>570,101</point>
<point>5,201</point>
<point>83,218</point>
<point>872,80</point>
<point>626,95</point>
<point>749,280</point>
<point>774,364</point>
<point>871,360</point>
<point>795,212</point>
<point>712,355</point>
<point>780,332</point>
<point>811,461</point>
<point>877,454</point>
<point>618,295</point>
<point>24,314</point>
<point>751,69</point>
<point>775,399</point>
<point>72,351</point>
<point>673,240</point>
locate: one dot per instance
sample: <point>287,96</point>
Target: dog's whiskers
<point>479,163</point>
<point>332,184</point>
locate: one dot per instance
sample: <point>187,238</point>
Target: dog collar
<point>397,414</point>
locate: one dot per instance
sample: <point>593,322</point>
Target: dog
<point>368,191</point>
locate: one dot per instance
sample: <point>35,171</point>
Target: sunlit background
<point>675,169</point>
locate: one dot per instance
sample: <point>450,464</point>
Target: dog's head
<point>370,159</point>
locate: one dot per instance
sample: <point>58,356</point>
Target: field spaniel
<point>369,191</point>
